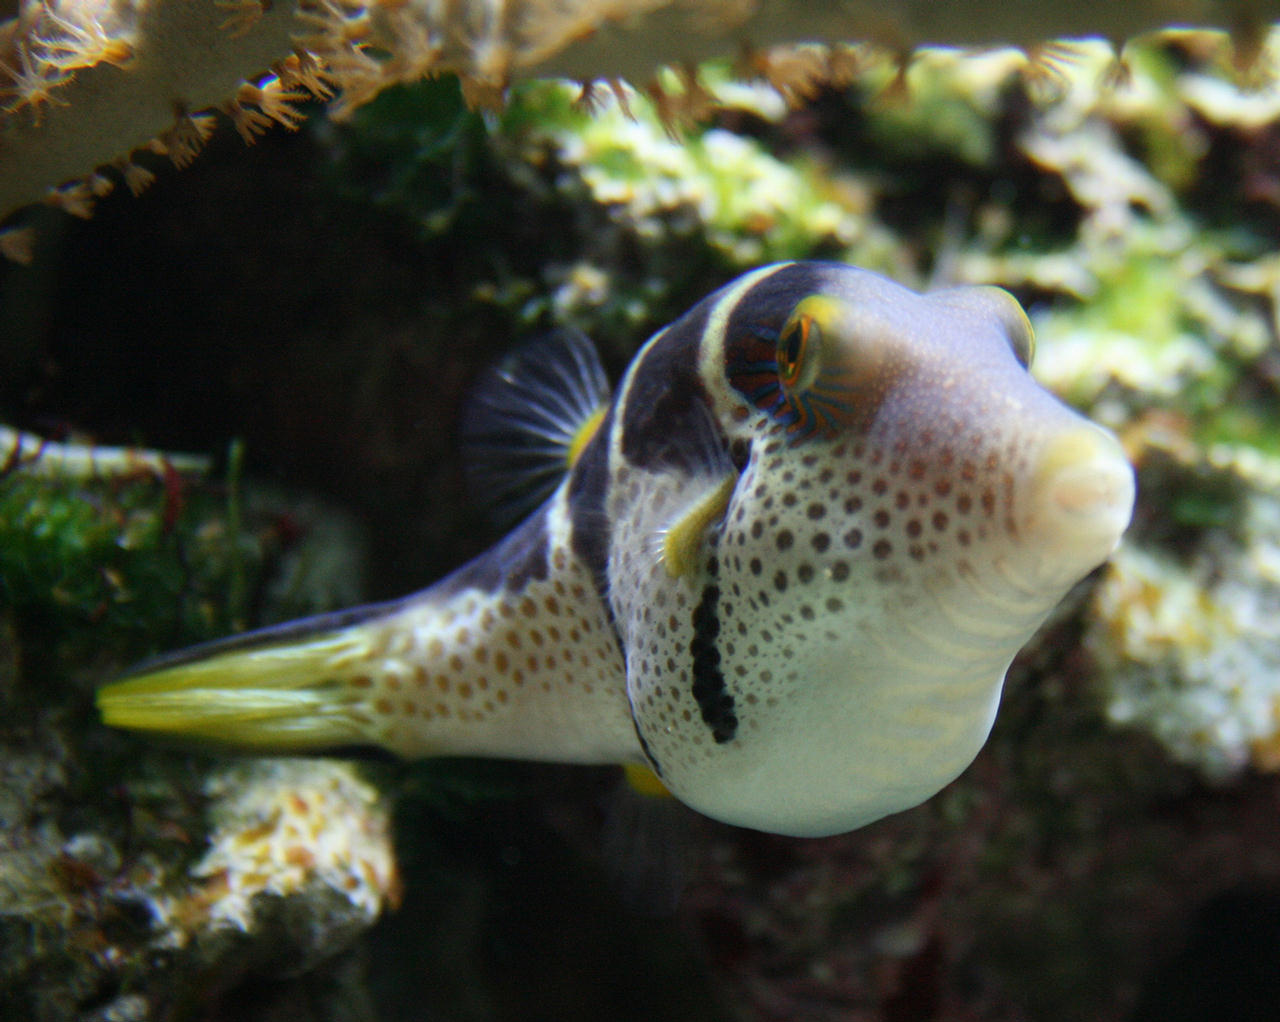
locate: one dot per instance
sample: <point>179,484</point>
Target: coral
<point>751,206</point>
<point>112,915</point>
<point>126,73</point>
<point>279,830</point>
<point>99,547</point>
<point>91,81</point>
<point>1185,640</point>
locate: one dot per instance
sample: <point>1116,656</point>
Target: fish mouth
<point>1080,502</point>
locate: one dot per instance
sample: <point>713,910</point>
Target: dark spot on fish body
<point>714,701</point>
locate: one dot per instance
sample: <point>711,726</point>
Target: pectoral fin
<point>682,547</point>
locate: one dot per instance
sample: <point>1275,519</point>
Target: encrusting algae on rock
<point>1185,641</point>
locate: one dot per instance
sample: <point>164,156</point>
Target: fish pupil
<point>791,348</point>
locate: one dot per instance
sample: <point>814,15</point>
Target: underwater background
<point>302,319</point>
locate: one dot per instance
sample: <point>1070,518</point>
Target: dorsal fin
<point>528,420</point>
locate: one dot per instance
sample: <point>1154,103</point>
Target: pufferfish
<point>786,570</point>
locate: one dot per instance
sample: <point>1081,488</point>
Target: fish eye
<point>793,344</point>
<point>800,343</point>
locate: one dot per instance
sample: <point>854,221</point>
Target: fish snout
<point>1079,502</point>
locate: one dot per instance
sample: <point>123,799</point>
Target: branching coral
<point>86,83</point>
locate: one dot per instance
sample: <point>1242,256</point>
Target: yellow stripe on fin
<point>583,437</point>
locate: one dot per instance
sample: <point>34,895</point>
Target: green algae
<point>113,567</point>
<point>100,570</point>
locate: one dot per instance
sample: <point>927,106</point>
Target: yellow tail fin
<point>282,690</point>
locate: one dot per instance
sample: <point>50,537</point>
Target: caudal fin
<point>287,689</point>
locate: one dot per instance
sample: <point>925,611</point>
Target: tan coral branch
<point>85,83</point>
